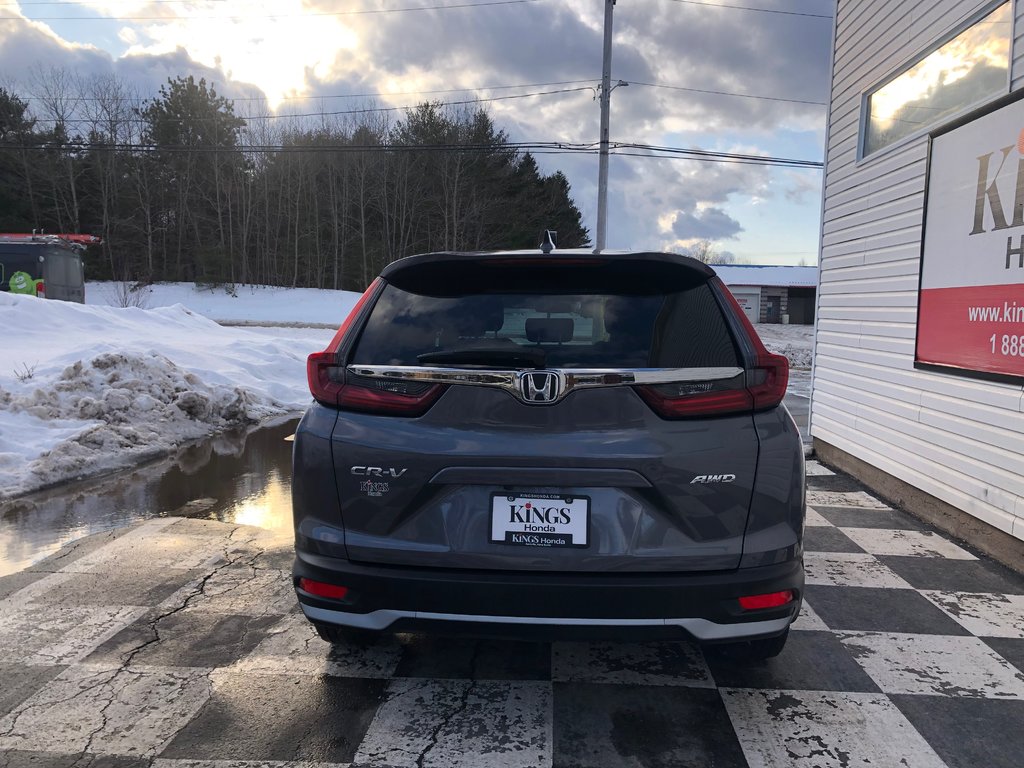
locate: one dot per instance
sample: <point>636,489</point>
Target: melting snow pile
<point>89,389</point>
<point>86,389</point>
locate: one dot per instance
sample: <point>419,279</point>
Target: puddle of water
<point>237,477</point>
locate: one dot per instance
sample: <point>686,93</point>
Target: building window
<point>971,67</point>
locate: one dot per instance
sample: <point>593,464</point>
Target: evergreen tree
<point>16,210</point>
<point>183,189</point>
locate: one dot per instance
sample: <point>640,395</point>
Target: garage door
<point>750,300</point>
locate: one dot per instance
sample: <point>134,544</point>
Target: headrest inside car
<point>479,315</point>
<point>549,330</point>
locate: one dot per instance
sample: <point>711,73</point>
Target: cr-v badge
<point>378,472</point>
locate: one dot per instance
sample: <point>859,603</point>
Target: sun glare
<point>277,54</point>
<point>929,90</point>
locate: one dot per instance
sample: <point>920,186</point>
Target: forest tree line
<point>181,188</point>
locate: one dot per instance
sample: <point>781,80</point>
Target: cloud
<point>800,188</point>
<point>26,45</point>
<point>706,224</point>
<point>301,63</point>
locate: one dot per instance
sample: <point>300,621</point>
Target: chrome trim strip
<point>702,629</point>
<point>569,379</point>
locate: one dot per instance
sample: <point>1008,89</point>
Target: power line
<point>729,93</point>
<point>542,147</point>
<point>535,147</point>
<point>246,17</point>
<point>726,159</point>
<point>758,10</point>
<point>382,94</point>
<point>439,91</point>
<point>712,156</point>
<point>332,113</point>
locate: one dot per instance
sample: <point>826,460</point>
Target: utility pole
<point>606,94</point>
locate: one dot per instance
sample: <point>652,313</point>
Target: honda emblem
<point>539,386</point>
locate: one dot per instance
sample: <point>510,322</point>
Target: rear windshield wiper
<point>504,357</point>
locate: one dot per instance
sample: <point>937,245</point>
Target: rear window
<point>683,328</point>
<point>65,269</point>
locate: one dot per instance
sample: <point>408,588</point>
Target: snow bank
<point>240,303</point>
<point>87,389</point>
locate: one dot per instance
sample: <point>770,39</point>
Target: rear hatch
<point>537,413</point>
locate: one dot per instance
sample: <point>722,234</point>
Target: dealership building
<point>920,320</point>
<point>772,294</point>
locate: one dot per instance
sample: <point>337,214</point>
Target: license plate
<point>540,520</point>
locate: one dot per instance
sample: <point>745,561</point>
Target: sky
<point>736,76</point>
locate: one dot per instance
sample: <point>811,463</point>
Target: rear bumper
<point>702,606</point>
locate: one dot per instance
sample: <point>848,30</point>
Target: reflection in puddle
<point>238,477</point>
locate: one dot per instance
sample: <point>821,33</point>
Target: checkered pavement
<point>176,644</point>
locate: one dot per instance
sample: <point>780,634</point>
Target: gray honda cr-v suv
<point>550,443</point>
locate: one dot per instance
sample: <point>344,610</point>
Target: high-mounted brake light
<point>330,385</point>
<point>545,261</point>
<point>770,600</point>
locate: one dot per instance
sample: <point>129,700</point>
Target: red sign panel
<point>971,304</point>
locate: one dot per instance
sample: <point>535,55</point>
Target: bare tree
<point>58,93</point>
<point>707,251</point>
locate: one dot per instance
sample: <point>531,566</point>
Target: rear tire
<point>754,650</point>
<point>336,635</point>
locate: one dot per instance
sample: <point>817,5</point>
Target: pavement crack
<point>127,657</point>
<point>103,714</point>
<point>17,714</point>
<point>462,706</point>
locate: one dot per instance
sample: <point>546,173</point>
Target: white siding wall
<point>958,439</point>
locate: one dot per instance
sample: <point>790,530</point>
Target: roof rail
<point>77,242</point>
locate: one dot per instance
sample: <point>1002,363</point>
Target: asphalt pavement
<point>177,643</point>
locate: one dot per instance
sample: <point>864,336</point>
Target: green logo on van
<point>22,282</point>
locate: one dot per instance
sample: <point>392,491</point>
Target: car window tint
<point>681,329</point>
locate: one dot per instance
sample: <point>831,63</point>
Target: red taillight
<point>771,377</point>
<point>770,600</point>
<point>385,403</point>
<point>764,386</point>
<point>325,377</point>
<point>329,384</point>
<point>320,589</point>
<point>40,289</point>
<point>705,404</point>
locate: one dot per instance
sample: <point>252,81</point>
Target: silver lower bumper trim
<point>702,629</point>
